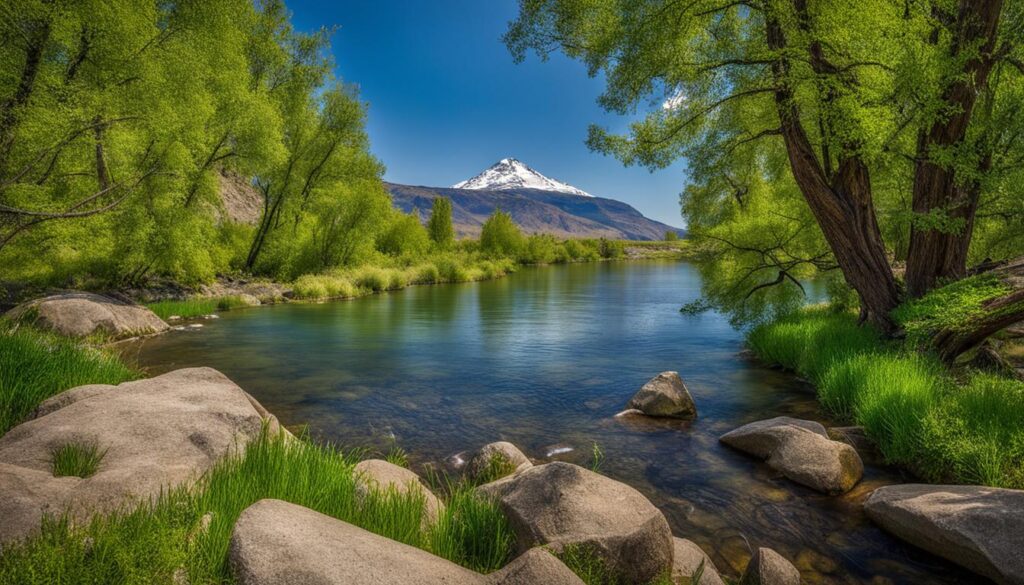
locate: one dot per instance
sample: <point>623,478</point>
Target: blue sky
<point>446,100</point>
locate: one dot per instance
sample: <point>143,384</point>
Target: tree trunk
<point>935,254</point>
<point>843,207</point>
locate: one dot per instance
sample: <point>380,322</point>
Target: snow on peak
<point>509,173</point>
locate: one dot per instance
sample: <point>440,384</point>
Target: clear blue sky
<point>446,100</point>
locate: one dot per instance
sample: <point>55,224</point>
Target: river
<point>544,358</point>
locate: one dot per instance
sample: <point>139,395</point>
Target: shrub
<point>500,236</point>
<point>610,249</point>
<point>671,236</point>
<point>406,236</point>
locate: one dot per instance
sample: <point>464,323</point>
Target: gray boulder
<point>382,475</point>
<point>481,461</point>
<point>664,395</point>
<point>560,505</point>
<point>277,542</point>
<point>686,561</point>
<point>801,451</point>
<point>81,314</point>
<point>980,528</point>
<point>768,567</point>
<point>159,432</point>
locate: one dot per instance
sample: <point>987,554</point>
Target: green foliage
<point>610,249</point>
<point>406,236</point>
<point>671,236</point>
<point>944,428</point>
<point>596,458</point>
<point>397,456</point>
<point>35,366</point>
<point>500,236</point>
<point>498,466</point>
<point>954,307</point>
<point>76,459</point>
<point>440,224</point>
<point>149,543</point>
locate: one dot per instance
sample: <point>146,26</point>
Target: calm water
<point>544,359</point>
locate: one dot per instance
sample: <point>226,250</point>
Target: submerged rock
<point>686,561</point>
<point>382,475</point>
<point>801,451</point>
<point>560,505</point>
<point>277,542</point>
<point>498,457</point>
<point>81,314</point>
<point>768,567</point>
<point>664,395</point>
<point>154,433</point>
<point>977,527</point>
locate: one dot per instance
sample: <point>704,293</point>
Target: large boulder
<point>83,314</point>
<point>159,432</point>
<point>686,562</point>
<point>277,542</point>
<point>664,395</point>
<point>561,505</point>
<point>801,451</point>
<point>494,457</point>
<point>768,567</point>
<point>382,475</point>
<point>980,528</point>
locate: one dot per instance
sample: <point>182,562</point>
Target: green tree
<point>440,223</point>
<point>405,236</point>
<point>671,236</point>
<point>878,115</point>
<point>500,236</point>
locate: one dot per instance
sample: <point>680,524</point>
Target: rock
<point>480,462</point>
<point>801,451</point>
<point>687,557</point>
<point>380,474</point>
<point>664,395</point>
<point>768,567</point>
<point>249,300</point>
<point>82,314</point>
<point>174,318</point>
<point>276,542</point>
<point>560,504</point>
<point>980,528</point>
<point>159,432</point>
<point>854,437</point>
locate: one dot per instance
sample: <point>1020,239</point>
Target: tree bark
<point>38,38</point>
<point>933,254</point>
<point>843,207</point>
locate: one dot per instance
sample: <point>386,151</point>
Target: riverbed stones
<point>383,475</point>
<point>277,542</point>
<point>686,562</point>
<point>501,458</point>
<point>82,314</point>
<point>664,395</point>
<point>980,528</point>
<point>768,567</point>
<point>563,505</point>
<point>801,451</point>
<point>158,432</point>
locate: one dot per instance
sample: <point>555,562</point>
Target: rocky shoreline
<point>166,432</point>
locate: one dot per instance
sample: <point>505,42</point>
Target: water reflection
<point>544,359</point>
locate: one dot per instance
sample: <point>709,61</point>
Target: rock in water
<point>980,528</point>
<point>82,314</point>
<point>686,561</point>
<point>664,395</point>
<point>159,432</point>
<point>383,475</point>
<point>277,542</point>
<point>560,504</point>
<point>801,451</point>
<point>768,567</point>
<point>493,457</point>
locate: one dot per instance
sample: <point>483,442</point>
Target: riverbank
<point>958,426</point>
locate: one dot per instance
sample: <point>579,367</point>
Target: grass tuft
<point>77,459</point>
<point>195,307</point>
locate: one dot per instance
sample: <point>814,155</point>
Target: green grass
<point>593,570</point>
<point>35,365</point>
<point>150,543</point>
<point>195,307</point>
<point>76,459</point>
<point>967,427</point>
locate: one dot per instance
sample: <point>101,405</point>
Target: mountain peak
<point>510,173</point>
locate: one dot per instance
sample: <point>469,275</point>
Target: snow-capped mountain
<point>509,173</point>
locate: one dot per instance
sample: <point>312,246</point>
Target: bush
<point>671,236</point>
<point>500,236</point>
<point>610,249</point>
<point>406,236</point>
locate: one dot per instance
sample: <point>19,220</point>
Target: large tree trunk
<point>935,254</point>
<point>999,314</point>
<point>842,205</point>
